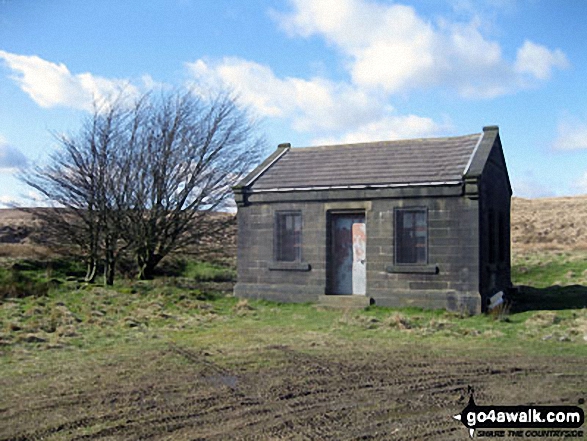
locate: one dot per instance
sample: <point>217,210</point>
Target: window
<point>411,236</point>
<point>288,236</point>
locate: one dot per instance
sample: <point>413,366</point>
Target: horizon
<point>313,72</point>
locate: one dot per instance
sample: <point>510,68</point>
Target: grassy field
<point>180,358</point>
<point>550,268</point>
<point>64,312</point>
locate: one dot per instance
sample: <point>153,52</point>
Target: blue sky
<point>314,72</point>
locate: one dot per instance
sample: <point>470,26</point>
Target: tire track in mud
<point>124,414</point>
<point>366,394</point>
<point>262,411</point>
<point>237,399</point>
<point>298,395</point>
<point>384,383</point>
<point>213,391</point>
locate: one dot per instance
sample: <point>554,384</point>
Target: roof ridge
<point>384,142</point>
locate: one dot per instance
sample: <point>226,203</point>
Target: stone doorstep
<point>344,301</point>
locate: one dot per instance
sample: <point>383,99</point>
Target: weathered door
<point>347,254</point>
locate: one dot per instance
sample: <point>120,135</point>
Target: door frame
<point>330,269</point>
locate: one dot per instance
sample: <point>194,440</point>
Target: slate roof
<point>402,162</point>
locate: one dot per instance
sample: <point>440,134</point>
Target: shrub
<point>207,272</point>
<point>16,284</point>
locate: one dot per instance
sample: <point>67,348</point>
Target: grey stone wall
<point>495,197</point>
<point>450,280</point>
<point>258,276</point>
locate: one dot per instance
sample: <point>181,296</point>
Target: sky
<point>313,72</point>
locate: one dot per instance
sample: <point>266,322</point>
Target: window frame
<point>396,213</point>
<point>278,252</point>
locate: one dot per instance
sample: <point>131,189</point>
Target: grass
<point>207,272</point>
<point>88,318</point>
<point>123,338</point>
<point>72,319</point>
<point>44,304</point>
<point>30,277</point>
<point>550,280</point>
<point>545,269</point>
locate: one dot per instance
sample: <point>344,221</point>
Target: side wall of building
<point>495,224</point>
<point>449,280</point>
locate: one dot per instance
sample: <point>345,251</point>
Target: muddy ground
<point>175,392</point>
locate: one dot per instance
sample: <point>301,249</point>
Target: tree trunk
<point>109,268</point>
<point>147,266</point>
<point>91,271</point>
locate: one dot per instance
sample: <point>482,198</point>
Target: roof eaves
<point>355,187</point>
<point>481,153</point>
<point>473,154</point>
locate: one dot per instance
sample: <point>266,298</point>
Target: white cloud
<point>572,134</point>
<point>391,127</point>
<point>50,84</point>
<point>581,184</point>
<point>11,159</point>
<point>316,104</point>
<point>333,112</point>
<point>531,187</point>
<point>539,61</point>
<point>30,199</point>
<point>389,46</point>
<point>8,201</point>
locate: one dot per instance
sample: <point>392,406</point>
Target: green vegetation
<point>35,278</point>
<point>89,318</point>
<point>193,306</point>
<point>55,310</point>
<point>207,272</point>
<point>550,281</point>
<point>544,269</point>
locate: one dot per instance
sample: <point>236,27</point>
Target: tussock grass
<point>398,321</point>
<point>548,268</point>
<point>243,307</point>
<point>193,304</point>
<point>543,319</point>
<point>207,272</point>
<point>555,224</point>
<point>14,251</point>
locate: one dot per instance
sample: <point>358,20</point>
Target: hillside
<point>18,229</point>
<point>549,224</point>
<point>537,224</point>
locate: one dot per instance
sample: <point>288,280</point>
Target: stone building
<point>420,222</point>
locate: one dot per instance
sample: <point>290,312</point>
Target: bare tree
<point>144,179</point>
<point>192,151</point>
<point>77,184</point>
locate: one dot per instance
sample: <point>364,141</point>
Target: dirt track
<point>353,395</point>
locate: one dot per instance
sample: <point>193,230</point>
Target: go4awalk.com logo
<point>555,421</point>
